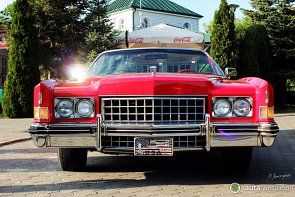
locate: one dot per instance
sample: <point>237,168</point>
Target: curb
<point>15,141</point>
<point>284,115</point>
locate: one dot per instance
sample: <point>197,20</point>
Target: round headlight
<point>65,108</point>
<point>85,108</point>
<point>242,107</point>
<point>222,107</point>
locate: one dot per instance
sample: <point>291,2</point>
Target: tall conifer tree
<point>23,72</point>
<point>223,36</point>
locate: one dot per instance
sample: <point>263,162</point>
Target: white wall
<point>127,15</point>
<point>166,18</point>
<point>154,17</point>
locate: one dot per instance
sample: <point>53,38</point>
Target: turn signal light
<point>266,112</point>
<point>40,112</point>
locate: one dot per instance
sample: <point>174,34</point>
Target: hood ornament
<point>153,70</point>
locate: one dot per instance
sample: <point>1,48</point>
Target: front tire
<point>237,159</point>
<point>72,159</point>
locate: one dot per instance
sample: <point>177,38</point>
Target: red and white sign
<point>164,34</point>
<point>137,40</point>
<point>182,39</point>
<point>3,45</point>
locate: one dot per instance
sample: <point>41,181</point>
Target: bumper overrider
<point>120,138</point>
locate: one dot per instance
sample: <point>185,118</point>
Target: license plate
<point>153,146</point>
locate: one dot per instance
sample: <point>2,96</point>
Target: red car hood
<point>161,84</point>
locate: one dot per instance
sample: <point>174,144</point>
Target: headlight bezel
<point>57,112</point>
<point>216,102</point>
<point>91,114</point>
<point>75,113</point>
<point>232,100</point>
<point>237,113</point>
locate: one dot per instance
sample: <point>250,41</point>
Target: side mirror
<point>231,72</point>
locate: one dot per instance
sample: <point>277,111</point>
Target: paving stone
<point>28,171</point>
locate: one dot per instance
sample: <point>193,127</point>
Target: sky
<point>205,8</point>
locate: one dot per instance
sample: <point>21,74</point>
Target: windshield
<point>165,60</point>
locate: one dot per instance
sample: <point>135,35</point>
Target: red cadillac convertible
<point>154,102</point>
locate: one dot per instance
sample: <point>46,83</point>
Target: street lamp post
<point>234,6</point>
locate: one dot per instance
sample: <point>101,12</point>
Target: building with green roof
<point>132,15</point>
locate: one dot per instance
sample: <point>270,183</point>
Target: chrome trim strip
<point>152,131</point>
<point>238,134</point>
<point>235,124</point>
<point>240,129</point>
<point>208,133</point>
<point>151,135</point>
<point>130,149</point>
<point>150,97</point>
<point>268,134</point>
<point>189,126</point>
<point>98,133</point>
<point>70,130</point>
<point>68,125</point>
<point>71,141</point>
<point>264,127</point>
<point>158,95</point>
<point>235,141</point>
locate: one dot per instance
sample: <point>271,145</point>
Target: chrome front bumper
<point>207,135</point>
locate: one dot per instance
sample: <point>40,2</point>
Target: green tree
<point>243,23</point>
<point>278,16</point>
<point>71,30</point>
<point>100,33</point>
<point>223,36</point>
<point>208,27</point>
<point>61,31</point>
<point>254,52</point>
<point>23,73</point>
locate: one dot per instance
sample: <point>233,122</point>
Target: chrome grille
<point>153,110</point>
<point>178,142</point>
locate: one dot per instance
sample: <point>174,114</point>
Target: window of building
<point>145,23</point>
<point>121,24</point>
<point>3,66</point>
<point>3,70</point>
<point>187,25</point>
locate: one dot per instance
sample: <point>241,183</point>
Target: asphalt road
<point>28,171</point>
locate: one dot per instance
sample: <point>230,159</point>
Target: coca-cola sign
<point>182,39</point>
<point>136,40</point>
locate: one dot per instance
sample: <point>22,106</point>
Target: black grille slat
<point>143,110</point>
